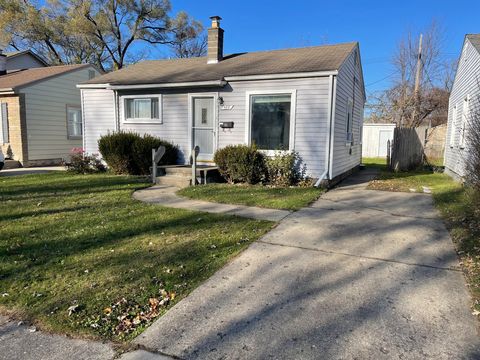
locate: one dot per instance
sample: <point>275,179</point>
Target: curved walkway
<point>166,195</point>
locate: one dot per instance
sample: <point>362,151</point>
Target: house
<point>309,100</point>
<point>375,139</point>
<point>21,60</point>
<point>465,91</point>
<point>40,109</point>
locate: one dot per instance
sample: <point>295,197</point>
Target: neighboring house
<point>375,139</point>
<point>465,90</point>
<point>21,60</point>
<point>310,100</point>
<point>40,112</point>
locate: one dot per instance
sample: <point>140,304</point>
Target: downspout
<point>84,142</point>
<point>330,128</point>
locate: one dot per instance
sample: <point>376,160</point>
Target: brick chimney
<point>3,63</point>
<point>215,41</point>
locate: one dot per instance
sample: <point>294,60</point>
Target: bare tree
<point>401,103</point>
<point>102,32</point>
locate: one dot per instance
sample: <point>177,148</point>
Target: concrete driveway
<point>359,275</point>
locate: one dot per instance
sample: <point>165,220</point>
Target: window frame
<point>465,115</point>
<point>123,106</point>
<point>349,125</point>
<point>79,108</point>
<point>248,116</point>
<point>453,128</point>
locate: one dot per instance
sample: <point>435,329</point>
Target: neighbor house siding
<point>46,116</point>
<point>98,110</point>
<point>346,156</point>
<point>466,83</point>
<point>24,61</point>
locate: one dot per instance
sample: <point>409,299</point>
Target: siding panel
<point>46,117</point>
<point>466,83</point>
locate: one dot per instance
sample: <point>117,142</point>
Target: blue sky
<point>377,25</point>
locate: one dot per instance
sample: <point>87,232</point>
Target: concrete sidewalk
<point>166,195</point>
<point>359,275</point>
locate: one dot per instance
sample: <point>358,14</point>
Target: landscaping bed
<point>287,198</point>
<point>459,208</point>
<point>79,256</point>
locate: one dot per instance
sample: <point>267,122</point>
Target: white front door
<point>203,126</point>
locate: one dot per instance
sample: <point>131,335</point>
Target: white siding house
<point>41,112</point>
<point>466,90</point>
<point>309,100</point>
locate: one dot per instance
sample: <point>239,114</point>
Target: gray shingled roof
<point>475,40</point>
<point>16,79</point>
<point>316,58</point>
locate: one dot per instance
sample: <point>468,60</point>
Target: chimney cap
<point>215,21</point>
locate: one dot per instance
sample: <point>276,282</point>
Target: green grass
<point>82,241</point>
<point>292,198</point>
<point>375,162</point>
<point>459,207</point>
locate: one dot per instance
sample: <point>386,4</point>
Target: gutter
<point>213,83</point>
<point>282,76</point>
<point>7,91</point>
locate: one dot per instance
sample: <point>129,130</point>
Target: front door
<point>203,126</point>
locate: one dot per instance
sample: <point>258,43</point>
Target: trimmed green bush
<point>131,153</point>
<point>283,169</point>
<point>240,164</point>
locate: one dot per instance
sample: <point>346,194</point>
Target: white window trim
<point>248,116</point>
<point>465,115</point>
<point>74,107</point>
<point>141,120</point>
<point>349,134</point>
<point>453,128</point>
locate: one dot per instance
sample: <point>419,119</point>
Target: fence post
<point>195,152</point>
<point>388,153</point>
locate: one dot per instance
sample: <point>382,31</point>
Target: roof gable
<point>299,60</point>
<point>17,79</point>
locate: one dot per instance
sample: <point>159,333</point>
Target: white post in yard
<point>195,152</point>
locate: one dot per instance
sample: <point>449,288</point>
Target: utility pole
<point>417,81</point>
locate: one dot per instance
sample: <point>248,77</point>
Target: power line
<point>382,79</point>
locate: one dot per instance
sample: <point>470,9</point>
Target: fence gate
<point>406,149</point>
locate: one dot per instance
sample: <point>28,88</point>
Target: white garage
<point>375,138</point>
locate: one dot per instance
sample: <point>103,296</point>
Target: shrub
<point>283,169</point>
<point>130,153</point>
<point>83,163</point>
<point>240,164</point>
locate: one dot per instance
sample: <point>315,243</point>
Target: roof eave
<point>282,76</point>
<point>213,83</point>
<point>7,91</point>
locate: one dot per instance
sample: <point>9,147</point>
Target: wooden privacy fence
<point>406,149</point>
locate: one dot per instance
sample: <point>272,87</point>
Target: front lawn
<point>79,256</point>
<point>459,207</point>
<point>292,198</point>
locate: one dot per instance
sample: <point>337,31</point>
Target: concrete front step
<point>12,164</point>
<point>179,171</point>
<point>173,180</point>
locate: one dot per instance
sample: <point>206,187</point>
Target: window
<point>465,115</point>
<point>142,109</point>
<point>4,137</point>
<point>271,121</point>
<point>74,122</point>
<point>453,131</point>
<point>349,129</point>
